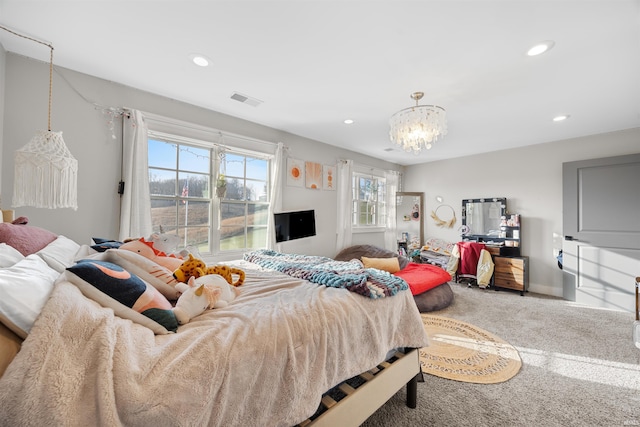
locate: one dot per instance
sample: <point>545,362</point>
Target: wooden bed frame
<point>375,388</point>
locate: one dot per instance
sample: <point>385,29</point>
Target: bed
<point>267,359</point>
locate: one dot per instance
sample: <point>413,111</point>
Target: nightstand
<point>511,273</point>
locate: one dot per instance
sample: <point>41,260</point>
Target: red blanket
<point>422,277</point>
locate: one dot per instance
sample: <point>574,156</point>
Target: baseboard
<point>546,290</point>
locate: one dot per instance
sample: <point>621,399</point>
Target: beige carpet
<point>460,351</point>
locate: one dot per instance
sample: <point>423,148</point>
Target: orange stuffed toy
<point>146,249</point>
<point>194,267</point>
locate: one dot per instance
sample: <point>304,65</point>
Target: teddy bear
<point>195,267</point>
<point>147,250</point>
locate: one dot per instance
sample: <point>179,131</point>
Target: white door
<point>601,223</point>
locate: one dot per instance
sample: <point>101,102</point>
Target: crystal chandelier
<point>418,127</point>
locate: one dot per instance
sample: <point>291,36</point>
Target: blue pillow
<point>102,245</point>
<point>129,296</point>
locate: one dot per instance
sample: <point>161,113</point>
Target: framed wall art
<point>295,172</point>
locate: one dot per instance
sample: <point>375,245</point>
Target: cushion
<point>390,265</point>
<point>60,253</point>
<point>25,238</point>
<point>9,255</point>
<point>434,299</point>
<point>422,277</point>
<point>102,245</point>
<point>156,275</point>
<point>25,287</point>
<point>129,296</point>
<point>372,251</point>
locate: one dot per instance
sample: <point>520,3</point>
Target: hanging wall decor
<point>313,175</point>
<point>46,173</point>
<point>329,177</point>
<point>442,223</point>
<point>295,172</point>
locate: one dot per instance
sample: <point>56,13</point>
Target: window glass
<point>369,195</point>
<point>232,217</point>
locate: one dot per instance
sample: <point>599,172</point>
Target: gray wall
<point>530,177</point>
<point>531,180</point>
<point>3,59</point>
<point>86,134</point>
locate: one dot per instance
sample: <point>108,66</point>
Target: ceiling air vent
<point>246,99</point>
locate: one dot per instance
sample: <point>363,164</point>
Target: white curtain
<point>345,205</point>
<point>135,204</point>
<point>275,198</point>
<point>392,179</point>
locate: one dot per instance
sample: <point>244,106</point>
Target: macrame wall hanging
<point>46,173</point>
<point>442,223</point>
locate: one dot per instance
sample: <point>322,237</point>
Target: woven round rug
<point>460,351</point>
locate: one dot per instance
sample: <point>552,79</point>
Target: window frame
<point>217,142</point>
<point>380,203</point>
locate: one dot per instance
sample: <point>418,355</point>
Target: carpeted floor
<point>579,368</point>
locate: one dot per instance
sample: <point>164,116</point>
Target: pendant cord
<point>50,88</point>
<point>50,46</point>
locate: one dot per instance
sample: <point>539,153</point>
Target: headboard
<point>10,345</point>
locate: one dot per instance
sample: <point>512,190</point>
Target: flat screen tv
<point>295,225</point>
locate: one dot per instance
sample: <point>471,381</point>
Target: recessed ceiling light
<point>561,118</point>
<point>199,60</point>
<point>348,121</point>
<point>541,48</point>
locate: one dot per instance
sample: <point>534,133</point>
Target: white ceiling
<point>314,63</point>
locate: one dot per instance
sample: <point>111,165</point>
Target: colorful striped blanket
<point>351,275</point>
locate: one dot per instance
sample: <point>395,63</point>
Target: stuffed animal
<point>195,301</point>
<point>195,267</point>
<point>147,250</point>
<point>212,282</point>
<point>165,242</point>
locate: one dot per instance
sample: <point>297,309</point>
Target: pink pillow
<point>25,238</point>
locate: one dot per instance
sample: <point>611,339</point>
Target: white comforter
<point>263,361</point>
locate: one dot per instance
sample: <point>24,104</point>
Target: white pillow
<point>9,255</point>
<point>60,253</point>
<point>25,288</point>
<point>85,251</point>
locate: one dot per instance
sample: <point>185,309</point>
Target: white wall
<point>87,136</point>
<point>4,204</point>
<point>531,180</point>
<point>530,177</point>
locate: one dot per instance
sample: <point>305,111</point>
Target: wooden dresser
<point>511,273</point>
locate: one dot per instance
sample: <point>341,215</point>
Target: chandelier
<point>418,127</point>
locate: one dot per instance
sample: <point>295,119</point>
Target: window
<point>215,199</point>
<point>243,188</point>
<point>369,195</point>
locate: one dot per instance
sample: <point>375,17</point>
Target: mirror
<point>481,217</point>
<point>409,224</point>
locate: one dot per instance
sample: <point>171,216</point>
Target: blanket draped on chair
<point>351,275</point>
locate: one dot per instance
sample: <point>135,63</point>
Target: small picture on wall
<point>329,177</point>
<point>313,175</point>
<point>295,176</point>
